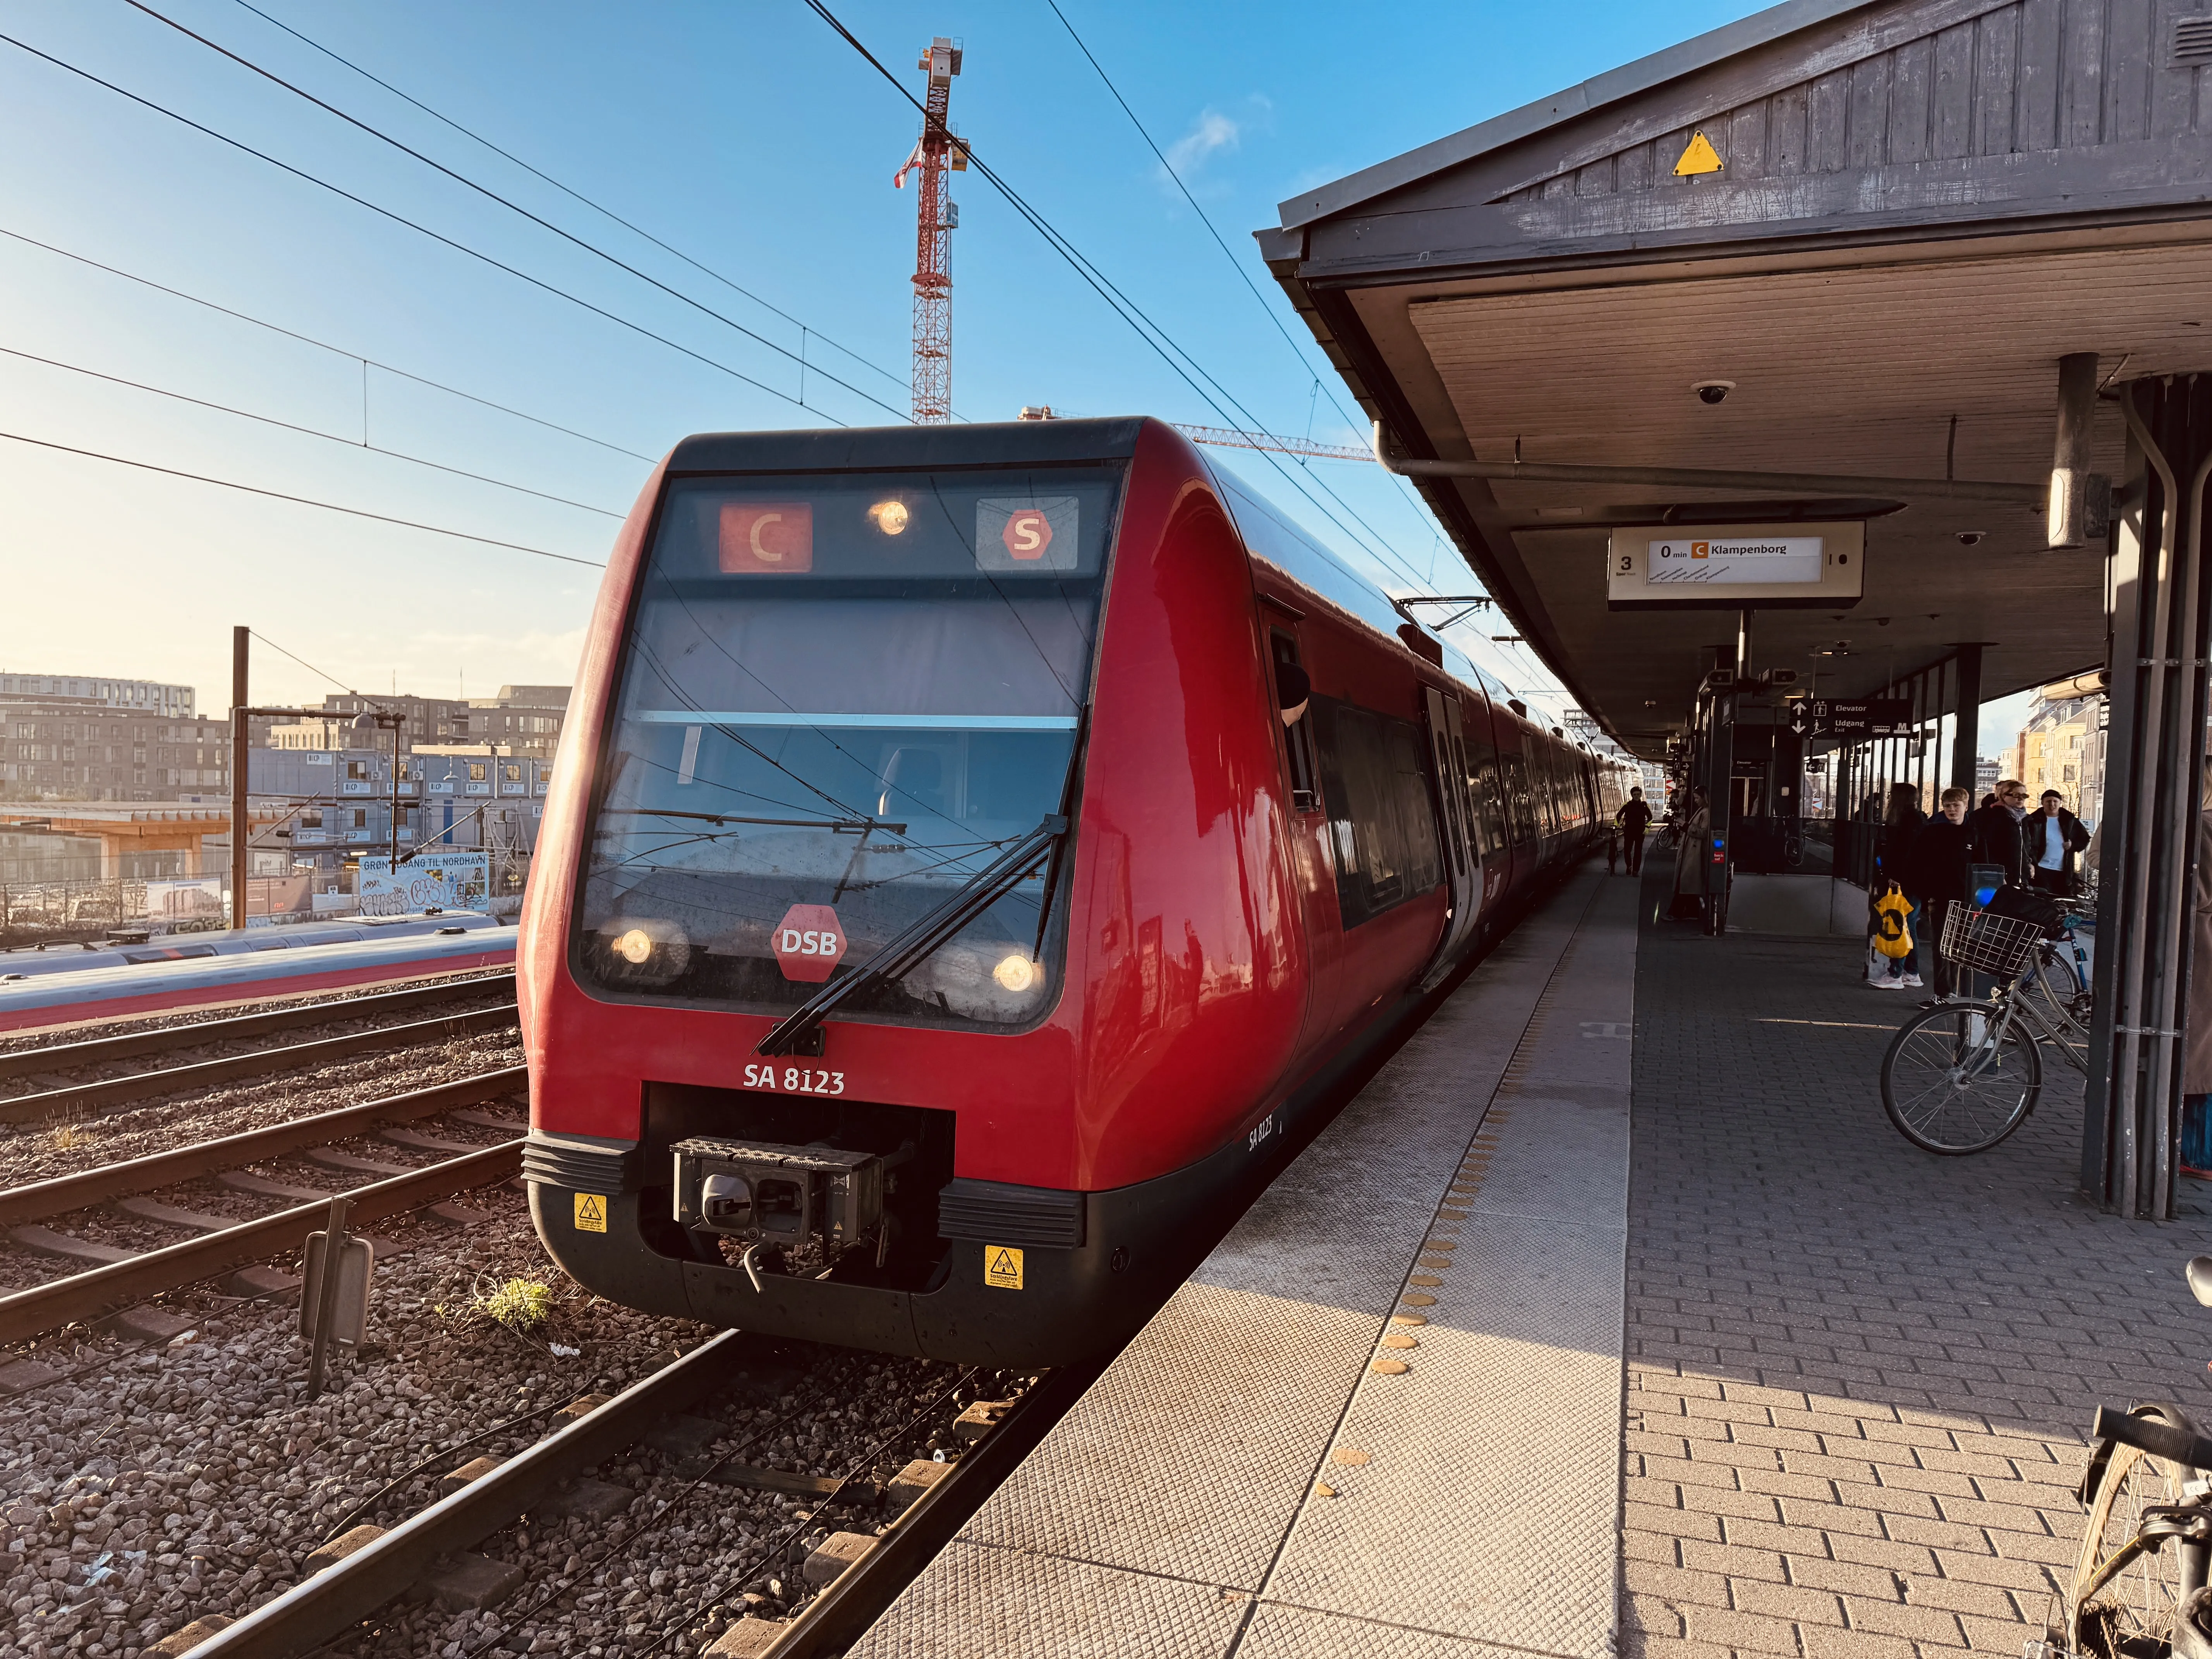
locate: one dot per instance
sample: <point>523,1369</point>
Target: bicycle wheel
<point>2121,1604</point>
<point>1958,1078</point>
<point>2053,982</point>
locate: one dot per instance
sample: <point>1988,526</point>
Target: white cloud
<point>1211,133</point>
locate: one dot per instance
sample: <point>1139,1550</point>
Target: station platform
<point>1385,1413</point>
<point>1719,1365</point>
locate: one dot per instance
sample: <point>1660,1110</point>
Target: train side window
<point>1488,795</point>
<point>1520,806</point>
<point>1298,738</point>
<point>1381,826</point>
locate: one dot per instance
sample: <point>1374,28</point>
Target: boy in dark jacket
<point>1940,877</point>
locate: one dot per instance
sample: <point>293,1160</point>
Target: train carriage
<point>981,843</point>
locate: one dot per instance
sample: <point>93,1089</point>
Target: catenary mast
<point>936,215</point>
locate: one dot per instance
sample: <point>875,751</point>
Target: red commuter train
<point>973,845</point>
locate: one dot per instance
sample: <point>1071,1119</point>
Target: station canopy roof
<point>1918,208</point>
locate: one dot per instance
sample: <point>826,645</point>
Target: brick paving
<point>1857,1374</point>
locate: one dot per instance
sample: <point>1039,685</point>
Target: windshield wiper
<point>906,950</point>
<point>842,826</point>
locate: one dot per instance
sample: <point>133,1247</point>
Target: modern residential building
<point>79,749</point>
<point>144,696</point>
<point>340,801</point>
<point>522,719</point>
<point>2062,746</point>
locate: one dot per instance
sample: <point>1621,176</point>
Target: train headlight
<point>1016,972</point>
<point>633,946</point>
<point>891,516</point>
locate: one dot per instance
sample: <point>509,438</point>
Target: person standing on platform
<point>1940,879</point>
<point>2054,837</point>
<point>2197,1053</point>
<point>1693,877</point>
<point>1633,818</point>
<point>1896,856</point>
<point>1999,835</point>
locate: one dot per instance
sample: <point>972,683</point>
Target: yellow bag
<point>1890,935</point>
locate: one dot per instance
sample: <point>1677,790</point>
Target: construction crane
<point>1228,438</point>
<point>936,216</point>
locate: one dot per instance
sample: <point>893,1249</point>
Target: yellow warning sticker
<point>591,1213</point>
<point>1002,1266</point>
<point>1698,156</point>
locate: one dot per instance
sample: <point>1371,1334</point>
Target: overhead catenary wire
<point>807,330</point>
<point>1236,264</point>
<point>491,195</point>
<point>401,219</point>
<point>350,690</point>
<point>301,501</point>
<point>323,345</point>
<point>1158,339</point>
<point>309,431</point>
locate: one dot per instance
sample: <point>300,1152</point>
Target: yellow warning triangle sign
<point>1700,157</point>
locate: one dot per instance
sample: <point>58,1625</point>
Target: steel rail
<point>857,1597</point>
<point>335,1600</point>
<point>98,1051</point>
<point>80,1298</point>
<point>140,1085</point>
<point>40,1198</point>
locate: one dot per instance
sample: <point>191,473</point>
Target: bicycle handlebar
<point>2159,1440</point>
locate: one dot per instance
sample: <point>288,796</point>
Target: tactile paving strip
<point>975,1600</point>
<point>1181,1474</point>
<point>1485,1501</point>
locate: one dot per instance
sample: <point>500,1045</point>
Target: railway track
<point>359,1577</point>
<point>325,1011</point>
<point>120,1279</point>
<point>75,1100</point>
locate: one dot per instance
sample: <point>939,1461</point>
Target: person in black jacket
<point>1633,819</point>
<point>1997,838</point>
<point>1941,879</point>
<point>2053,837</point>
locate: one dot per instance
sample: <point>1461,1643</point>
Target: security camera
<point>1713,391</point>
<point>1968,538</point>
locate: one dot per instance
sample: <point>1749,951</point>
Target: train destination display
<point>1728,567</point>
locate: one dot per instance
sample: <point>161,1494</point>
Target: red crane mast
<point>936,215</point>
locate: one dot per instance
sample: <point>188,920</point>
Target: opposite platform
<point>1281,1463</point>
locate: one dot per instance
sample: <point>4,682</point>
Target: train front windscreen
<point>842,699</point>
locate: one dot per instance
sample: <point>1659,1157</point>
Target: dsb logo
<point>809,943</point>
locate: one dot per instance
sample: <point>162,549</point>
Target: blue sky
<point>748,136</point>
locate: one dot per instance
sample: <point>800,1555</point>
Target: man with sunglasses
<point>1999,836</point>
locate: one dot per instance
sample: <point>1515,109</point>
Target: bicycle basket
<point>1989,943</point>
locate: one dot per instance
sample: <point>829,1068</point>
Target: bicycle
<point>2148,1483</point>
<point>1961,1076</point>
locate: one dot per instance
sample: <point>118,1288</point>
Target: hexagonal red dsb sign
<point>809,942</point>
<point>1027,534</point>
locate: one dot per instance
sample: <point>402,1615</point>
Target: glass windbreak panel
<point>842,698</point>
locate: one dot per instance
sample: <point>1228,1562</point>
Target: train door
<point>1307,827</point>
<point>1485,787</point>
<point>1455,817</point>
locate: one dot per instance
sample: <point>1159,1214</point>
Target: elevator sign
<point>1731,567</point>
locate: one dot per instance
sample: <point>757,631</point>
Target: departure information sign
<point>1731,566</point>
<point>1733,559</point>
